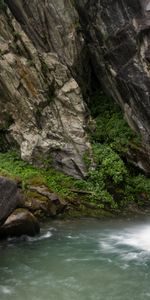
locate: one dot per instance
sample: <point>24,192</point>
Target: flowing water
<point>78,260</point>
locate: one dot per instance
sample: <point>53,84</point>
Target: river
<point>78,260</point>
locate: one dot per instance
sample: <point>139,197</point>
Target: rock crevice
<point>46,51</point>
<point>117,34</point>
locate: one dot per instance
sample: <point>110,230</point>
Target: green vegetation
<point>112,183</point>
<point>110,126</point>
<point>12,166</point>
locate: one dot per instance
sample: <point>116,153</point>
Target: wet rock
<point>43,203</point>
<point>20,222</point>
<point>9,197</point>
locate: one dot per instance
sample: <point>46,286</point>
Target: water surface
<point>78,260</point>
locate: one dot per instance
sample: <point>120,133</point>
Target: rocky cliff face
<point>45,71</point>
<point>41,104</point>
<point>118,38</point>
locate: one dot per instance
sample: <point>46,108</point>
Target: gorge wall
<point>41,104</point>
<point>118,37</point>
<point>48,51</point>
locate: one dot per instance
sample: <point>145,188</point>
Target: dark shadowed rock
<point>20,222</point>
<point>9,197</point>
<point>118,38</point>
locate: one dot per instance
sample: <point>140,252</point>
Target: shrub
<point>112,182</point>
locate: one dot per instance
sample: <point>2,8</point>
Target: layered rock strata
<point>41,104</point>
<point>45,71</point>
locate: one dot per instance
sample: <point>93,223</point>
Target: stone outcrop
<point>20,222</point>
<point>9,198</point>
<point>42,203</point>
<point>47,48</point>
<point>118,38</point>
<point>41,104</point>
<point>19,210</point>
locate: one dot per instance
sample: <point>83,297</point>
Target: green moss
<point>34,195</point>
<point>12,166</point>
<point>86,212</point>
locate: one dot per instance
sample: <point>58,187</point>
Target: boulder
<point>9,198</point>
<point>42,203</point>
<point>20,222</point>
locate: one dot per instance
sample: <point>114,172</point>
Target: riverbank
<point>115,185</point>
<point>49,194</point>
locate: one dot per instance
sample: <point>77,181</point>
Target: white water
<point>80,260</point>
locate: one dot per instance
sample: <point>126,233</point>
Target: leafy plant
<point>112,182</point>
<point>12,166</point>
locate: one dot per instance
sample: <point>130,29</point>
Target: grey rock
<point>45,74</point>
<point>42,203</point>
<point>9,198</point>
<point>39,96</point>
<point>20,222</point>
<point>118,39</point>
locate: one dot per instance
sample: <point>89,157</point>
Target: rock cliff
<point>118,37</point>
<point>48,51</point>
<point>41,104</point>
